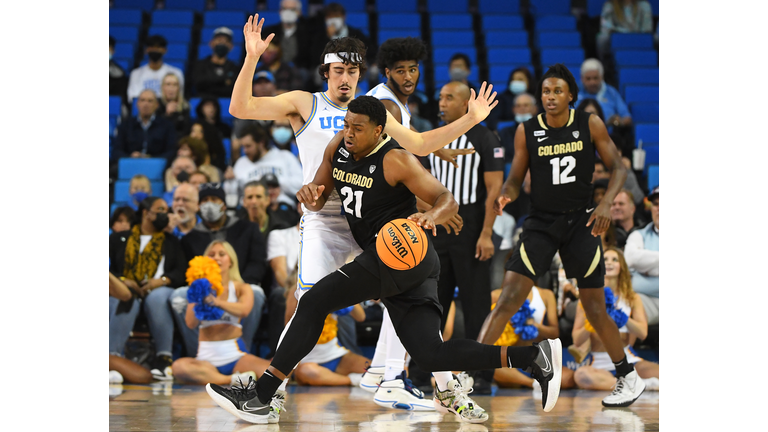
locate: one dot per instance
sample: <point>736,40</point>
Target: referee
<point>465,260</point>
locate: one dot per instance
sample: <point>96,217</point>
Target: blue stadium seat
<point>237,33</point>
<point>505,124</point>
<point>270,18</point>
<point>499,76</point>
<point>226,18</point>
<point>458,6</point>
<point>124,63</point>
<point>359,20</point>
<point>172,34</point>
<point>499,7</point>
<point>550,56</point>
<point>274,5</point>
<point>506,38</point>
<point>631,41</point>
<point>594,8</point>
<point>351,5</point>
<point>565,39</point>
<point>653,176</point>
<point>158,187</point>
<point>502,22</point>
<point>397,6</point>
<point>556,23</point>
<point>509,56</point>
<point>146,5</point>
<point>176,52</point>
<point>173,18</point>
<point>648,132</point>
<point>235,54</point>
<point>389,34</point>
<point>193,103</point>
<point>391,21</point>
<point>112,125</point>
<point>450,21</point>
<point>457,38</point>
<point>651,156</point>
<point>641,93</point>
<point>443,55</point>
<point>549,7</point>
<point>636,58</point>
<point>121,191</point>
<point>227,142</point>
<point>131,17</point>
<point>126,50</point>
<point>153,168</point>
<point>442,77</point>
<point>629,76</point>
<point>644,112</point>
<point>226,117</point>
<point>195,5</point>
<point>124,33</point>
<point>654,7</point>
<point>247,6</point>
<point>114,105</point>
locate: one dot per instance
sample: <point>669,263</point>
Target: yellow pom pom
<point>588,327</point>
<point>330,329</point>
<point>205,267</point>
<point>509,337</point>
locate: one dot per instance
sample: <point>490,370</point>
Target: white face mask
<point>520,118</point>
<point>211,212</point>
<point>288,16</point>
<point>517,87</point>
<point>337,23</point>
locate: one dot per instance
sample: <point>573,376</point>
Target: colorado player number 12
<point>569,162</point>
<point>348,197</point>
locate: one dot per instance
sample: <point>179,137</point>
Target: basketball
<point>401,244</point>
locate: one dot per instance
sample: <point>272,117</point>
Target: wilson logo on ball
<point>401,244</point>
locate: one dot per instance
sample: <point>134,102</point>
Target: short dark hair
<point>254,183</point>
<point>461,56</point>
<point>343,45</point>
<point>399,49</point>
<point>589,101</point>
<point>145,204</point>
<point>124,210</point>
<point>334,8</point>
<point>560,71</point>
<point>156,41</point>
<point>370,106</point>
<point>256,132</point>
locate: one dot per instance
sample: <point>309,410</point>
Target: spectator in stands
<point>263,85</point>
<point>172,104</point>
<point>523,108</point>
<point>199,178</point>
<point>262,158</point>
<point>139,188</point>
<point>599,187</point>
<point>179,172</point>
<point>209,113</point>
<point>256,208</point>
<point>151,264</point>
<point>215,75</point>
<point>150,75</point>
<point>186,201</point>
<point>197,149</point>
<point>118,78</point>
<point>615,110</point>
<point>598,375</point>
<point>282,136</point>
<point>520,80</point>
<point>593,106</point>
<point>283,258</point>
<point>286,76</point>
<point>213,139</point>
<point>293,33</point>
<point>623,16</point>
<point>279,202</point>
<point>222,357</point>
<point>334,28</point>
<point>623,216</point>
<point>251,250</point>
<point>122,219</point>
<point>146,135</point>
<point>459,68</point>
<point>642,253</point>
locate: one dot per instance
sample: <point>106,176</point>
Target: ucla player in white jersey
<point>326,241</point>
<point>398,61</point>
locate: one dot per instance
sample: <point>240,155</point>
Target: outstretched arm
<point>422,144</point>
<point>315,194</point>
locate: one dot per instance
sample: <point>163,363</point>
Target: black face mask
<point>183,177</point>
<point>155,56</point>
<point>221,50</point>
<point>160,222</point>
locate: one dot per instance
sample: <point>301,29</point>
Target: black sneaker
<point>161,368</point>
<point>240,401</point>
<point>547,369</point>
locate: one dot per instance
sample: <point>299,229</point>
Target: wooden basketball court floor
<point>173,407</point>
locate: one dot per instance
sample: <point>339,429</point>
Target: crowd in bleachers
<point>173,64</point>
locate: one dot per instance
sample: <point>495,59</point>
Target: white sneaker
<point>626,390</point>
<point>537,390</point>
<point>651,384</point>
<point>455,400</point>
<point>115,377</point>
<point>400,393</point>
<point>372,378</point>
<point>241,378</point>
<point>276,406</point>
<point>466,381</point>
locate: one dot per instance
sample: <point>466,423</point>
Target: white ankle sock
<point>393,369</point>
<point>441,379</point>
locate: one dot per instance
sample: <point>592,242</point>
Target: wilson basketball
<point>401,244</point>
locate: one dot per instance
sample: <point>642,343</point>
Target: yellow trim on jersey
<point>595,262</point>
<point>541,122</point>
<point>381,144</point>
<point>331,102</point>
<point>311,116</point>
<point>570,119</point>
<point>526,261</point>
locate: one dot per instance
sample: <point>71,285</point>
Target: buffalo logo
<point>396,243</point>
<point>372,168</point>
<point>576,134</point>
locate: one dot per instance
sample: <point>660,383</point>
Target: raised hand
<point>482,104</point>
<point>254,46</point>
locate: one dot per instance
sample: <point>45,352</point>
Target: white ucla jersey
<point>382,92</point>
<point>326,119</point>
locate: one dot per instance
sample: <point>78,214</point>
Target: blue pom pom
<point>522,315</point>
<point>345,311</point>
<point>528,332</point>
<point>610,299</point>
<point>205,312</point>
<point>199,290</point>
<point>619,317</point>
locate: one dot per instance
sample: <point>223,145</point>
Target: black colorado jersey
<point>368,201</point>
<point>562,161</point>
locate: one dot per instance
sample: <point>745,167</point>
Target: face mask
<point>337,23</point>
<point>522,117</point>
<point>210,211</point>
<point>282,135</point>
<point>288,16</point>
<point>183,177</point>
<point>458,74</point>
<point>138,197</point>
<point>518,87</point>
<point>155,56</point>
<point>161,221</point>
<point>221,50</point>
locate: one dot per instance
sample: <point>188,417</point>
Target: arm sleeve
<point>639,258</point>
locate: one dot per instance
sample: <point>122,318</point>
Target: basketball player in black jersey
<point>559,146</point>
<point>378,181</point>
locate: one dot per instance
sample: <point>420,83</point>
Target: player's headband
<point>335,58</point>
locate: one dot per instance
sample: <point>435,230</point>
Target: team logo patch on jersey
<point>372,168</point>
<point>344,152</point>
<point>539,133</point>
<point>498,152</point>
<point>575,134</point>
